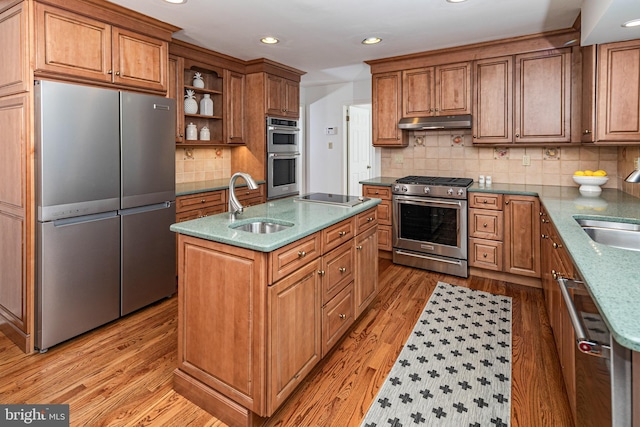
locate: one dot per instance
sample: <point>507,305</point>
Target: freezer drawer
<point>78,285</point>
<point>148,255</point>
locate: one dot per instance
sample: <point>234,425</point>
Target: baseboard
<point>17,336</point>
<point>533,282</point>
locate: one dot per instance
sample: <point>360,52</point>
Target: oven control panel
<point>430,191</point>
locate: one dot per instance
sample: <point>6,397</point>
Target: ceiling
<point>323,37</point>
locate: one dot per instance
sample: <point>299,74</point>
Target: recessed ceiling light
<point>371,40</point>
<point>269,40</point>
<point>632,23</point>
<point>176,1</point>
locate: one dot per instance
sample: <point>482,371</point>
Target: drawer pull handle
<point>506,203</point>
<point>342,233</point>
<point>484,201</point>
<point>369,219</point>
<point>556,246</point>
<point>342,316</point>
<point>321,272</point>
<point>302,254</point>
<point>484,255</point>
<point>359,247</point>
<point>203,201</point>
<point>545,236</point>
<point>484,225</point>
<point>342,269</point>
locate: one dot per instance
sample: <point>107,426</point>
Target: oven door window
<point>284,139</point>
<point>284,172</point>
<point>428,223</point>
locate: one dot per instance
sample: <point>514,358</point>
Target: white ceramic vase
<point>205,135</point>
<point>190,103</point>
<point>192,132</point>
<point>206,105</point>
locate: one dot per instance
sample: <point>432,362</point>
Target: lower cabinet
<point>384,212</point>
<point>252,325</point>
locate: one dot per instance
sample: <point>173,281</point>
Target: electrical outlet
<point>526,160</point>
<point>331,146</point>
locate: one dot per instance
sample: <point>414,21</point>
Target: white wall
<point>325,168</point>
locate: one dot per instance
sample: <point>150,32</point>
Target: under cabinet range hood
<point>436,123</point>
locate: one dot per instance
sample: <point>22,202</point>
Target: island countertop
<point>306,218</point>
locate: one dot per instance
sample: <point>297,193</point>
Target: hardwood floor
<point>121,374</point>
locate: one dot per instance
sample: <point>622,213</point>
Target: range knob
<point>450,192</point>
<point>427,190</point>
<point>461,192</point>
<point>404,188</point>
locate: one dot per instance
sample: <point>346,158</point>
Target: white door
<point>360,150</point>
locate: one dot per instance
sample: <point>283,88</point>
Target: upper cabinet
<point>15,72</point>
<point>387,110</point>
<point>283,97</point>
<point>75,46</point>
<point>611,93</point>
<point>234,103</point>
<point>524,99</point>
<point>437,91</point>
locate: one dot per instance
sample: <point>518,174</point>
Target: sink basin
<point>615,234</point>
<point>262,227</point>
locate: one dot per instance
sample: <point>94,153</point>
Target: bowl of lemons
<point>590,181</point>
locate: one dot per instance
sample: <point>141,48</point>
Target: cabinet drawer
<point>384,212</point>
<point>337,234</point>
<point>188,215</point>
<point>485,224</point>
<point>337,270</point>
<point>366,220</point>
<point>377,192</point>
<point>384,238</point>
<point>337,317</point>
<point>485,254</point>
<point>245,193</point>
<point>201,200</point>
<point>485,201</point>
<point>293,256</point>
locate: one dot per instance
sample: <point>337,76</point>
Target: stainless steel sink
<point>620,235</point>
<point>262,227</point>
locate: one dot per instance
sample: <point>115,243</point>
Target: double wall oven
<point>430,223</point>
<point>283,157</point>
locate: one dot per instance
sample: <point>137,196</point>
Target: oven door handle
<point>285,128</point>
<point>427,201</point>
<point>584,344</point>
<point>285,156</point>
<point>401,252</point>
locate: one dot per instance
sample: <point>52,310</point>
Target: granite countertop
<point>186,188</point>
<point>610,274</point>
<point>307,218</point>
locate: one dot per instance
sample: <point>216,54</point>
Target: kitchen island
<point>258,311</point>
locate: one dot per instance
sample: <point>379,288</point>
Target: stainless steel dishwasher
<point>602,366</point>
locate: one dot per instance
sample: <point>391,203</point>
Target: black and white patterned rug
<point>455,368</point>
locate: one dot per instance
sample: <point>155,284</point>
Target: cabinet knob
<point>544,220</point>
<point>342,233</point>
<point>556,246</point>
<point>302,254</point>
<point>484,225</point>
<point>342,269</point>
<point>342,316</point>
<point>506,203</point>
<point>110,72</point>
<point>321,272</point>
<point>484,201</point>
<point>484,255</point>
<point>517,135</point>
<point>203,201</point>
<point>117,73</point>
<point>586,132</point>
<point>544,236</point>
<point>359,247</point>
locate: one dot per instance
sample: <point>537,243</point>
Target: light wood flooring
<point>121,374</point>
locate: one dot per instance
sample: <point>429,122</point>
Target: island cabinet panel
<point>337,316</point>
<point>295,332</point>
<point>337,270</point>
<point>337,234</point>
<point>290,258</point>
<point>222,319</point>
<point>200,205</point>
<point>384,213</point>
<point>366,270</point>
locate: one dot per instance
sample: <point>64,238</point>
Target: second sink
<point>619,235</point>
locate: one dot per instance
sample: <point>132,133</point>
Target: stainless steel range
<point>430,223</point>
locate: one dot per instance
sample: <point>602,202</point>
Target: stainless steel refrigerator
<point>105,196</point>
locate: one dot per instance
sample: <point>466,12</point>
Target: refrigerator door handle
<point>81,219</point>
<point>147,208</point>
<point>161,107</point>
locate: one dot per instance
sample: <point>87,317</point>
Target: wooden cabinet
<point>384,213</point>
<point>366,271</point>
<point>73,45</point>
<point>175,91</point>
<point>14,71</point>
<point>234,107</point>
<point>387,110</point>
<point>213,88</point>
<point>504,233</point>
<point>283,97</point>
<point>200,205</point>
<point>538,111</point>
<point>437,91</point>
<point>611,93</point>
<point>249,197</point>
<point>295,331</point>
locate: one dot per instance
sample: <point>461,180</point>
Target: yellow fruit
<point>599,172</point>
<point>588,172</point>
<point>578,173</point>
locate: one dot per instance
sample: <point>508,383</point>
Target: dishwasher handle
<point>585,345</point>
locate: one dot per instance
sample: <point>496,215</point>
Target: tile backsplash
<point>202,163</point>
<point>453,154</point>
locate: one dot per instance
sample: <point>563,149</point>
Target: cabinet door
<point>275,95</point>
<point>292,97</point>
<point>14,73</point>
<point>543,97</point>
<point>71,44</point>
<point>493,101</point>
<point>234,95</point>
<point>618,97</point>
<point>418,92</point>
<point>294,330</point>
<point>174,90</point>
<point>366,272</point>
<point>387,110</point>
<point>139,60</point>
<point>522,235</point>
<point>588,120</point>
<point>453,89</point>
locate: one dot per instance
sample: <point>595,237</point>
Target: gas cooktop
<point>435,180</point>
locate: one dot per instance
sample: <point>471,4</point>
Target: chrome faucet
<point>234,204</point>
<point>633,176</point>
